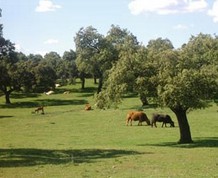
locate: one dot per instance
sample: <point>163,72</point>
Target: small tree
<point>7,66</point>
<point>87,42</point>
<point>25,75</point>
<point>9,77</point>
<point>69,69</point>
<point>94,54</point>
<point>45,78</point>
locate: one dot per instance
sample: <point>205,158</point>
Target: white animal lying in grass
<point>49,92</point>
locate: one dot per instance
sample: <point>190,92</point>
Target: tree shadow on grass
<point>20,95</point>
<point>3,117</point>
<point>198,143</point>
<point>58,102</point>
<point>43,102</point>
<point>142,108</point>
<point>85,90</point>
<point>24,157</point>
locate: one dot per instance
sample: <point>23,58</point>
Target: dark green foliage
<point>45,78</point>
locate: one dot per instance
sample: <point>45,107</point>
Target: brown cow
<point>41,108</point>
<point>137,116</point>
<point>88,107</point>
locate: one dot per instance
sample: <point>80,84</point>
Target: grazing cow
<point>137,116</point>
<point>88,107</point>
<point>41,108</point>
<point>161,118</point>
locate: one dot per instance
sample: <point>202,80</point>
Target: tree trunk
<point>185,133</point>
<point>143,99</point>
<point>100,83</point>
<point>83,82</point>
<point>95,80</point>
<point>7,97</point>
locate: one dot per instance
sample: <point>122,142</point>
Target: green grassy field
<point>69,142</point>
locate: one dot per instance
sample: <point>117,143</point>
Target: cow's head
<point>172,124</point>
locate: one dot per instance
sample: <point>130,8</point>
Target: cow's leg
<point>140,123</point>
<point>140,120</point>
<point>131,122</point>
<point>155,124</point>
<point>127,122</point>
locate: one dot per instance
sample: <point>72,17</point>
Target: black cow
<point>162,118</point>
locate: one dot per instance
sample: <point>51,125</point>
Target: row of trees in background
<point>34,73</point>
<point>181,79</point>
<point>94,55</point>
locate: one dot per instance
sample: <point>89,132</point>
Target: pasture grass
<point>69,142</point>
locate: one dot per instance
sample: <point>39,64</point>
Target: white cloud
<point>18,47</point>
<point>51,41</point>
<point>139,6</point>
<point>46,5</point>
<point>195,5</point>
<point>42,53</point>
<point>214,11</point>
<point>166,6</point>
<point>181,27</point>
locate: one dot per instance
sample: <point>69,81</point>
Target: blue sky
<point>42,26</point>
